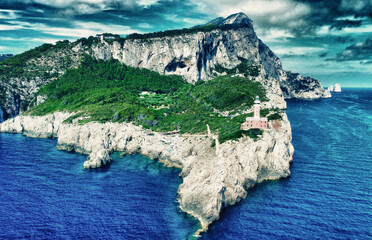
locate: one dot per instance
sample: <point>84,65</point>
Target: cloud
<point>8,14</point>
<point>6,27</point>
<point>277,14</point>
<point>147,2</point>
<point>322,65</point>
<point>364,6</point>
<point>323,54</point>
<point>85,29</point>
<point>358,51</point>
<point>144,25</point>
<point>299,17</point>
<point>273,35</point>
<point>366,62</point>
<point>339,25</point>
<point>298,51</point>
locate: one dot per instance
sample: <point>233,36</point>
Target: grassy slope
<point>110,91</point>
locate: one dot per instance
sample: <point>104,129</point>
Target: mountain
<point>199,53</point>
<point>237,19</point>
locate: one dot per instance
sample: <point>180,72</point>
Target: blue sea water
<point>45,193</point>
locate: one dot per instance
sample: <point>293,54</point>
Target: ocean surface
<point>45,193</point>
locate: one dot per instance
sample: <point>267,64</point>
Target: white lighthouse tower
<point>257,106</point>
<point>256,121</point>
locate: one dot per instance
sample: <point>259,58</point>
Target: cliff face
<point>17,90</point>
<point>196,56</point>
<point>213,177</point>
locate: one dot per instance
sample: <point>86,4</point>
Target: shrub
<point>274,116</point>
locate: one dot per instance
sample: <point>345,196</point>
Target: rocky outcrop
<point>294,85</point>
<point>213,177</point>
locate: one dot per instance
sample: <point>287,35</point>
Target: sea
<point>46,193</point>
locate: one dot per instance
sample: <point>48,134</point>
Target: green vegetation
<point>254,133</point>
<point>227,93</point>
<point>16,65</point>
<point>88,41</point>
<point>110,91</point>
<point>274,116</point>
<point>178,32</point>
<point>2,96</point>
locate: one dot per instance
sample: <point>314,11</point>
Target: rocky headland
<point>213,176</point>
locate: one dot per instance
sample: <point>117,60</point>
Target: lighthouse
<point>257,106</point>
<point>256,121</point>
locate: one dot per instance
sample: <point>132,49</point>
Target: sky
<point>330,40</point>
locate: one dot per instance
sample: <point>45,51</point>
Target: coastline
<point>213,177</point>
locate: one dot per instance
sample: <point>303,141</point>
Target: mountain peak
<point>236,18</point>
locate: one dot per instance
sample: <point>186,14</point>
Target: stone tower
<point>257,107</point>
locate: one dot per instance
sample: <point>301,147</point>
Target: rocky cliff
<point>196,55</point>
<point>213,177</point>
<point>19,84</point>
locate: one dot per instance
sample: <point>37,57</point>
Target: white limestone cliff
<point>213,177</point>
<point>196,55</point>
<point>193,56</point>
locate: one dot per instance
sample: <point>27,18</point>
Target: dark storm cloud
<point>332,13</point>
<point>323,54</point>
<point>144,15</point>
<point>358,51</point>
<point>346,39</point>
<point>299,17</point>
<point>339,25</point>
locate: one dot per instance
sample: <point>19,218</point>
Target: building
<point>107,36</point>
<point>256,121</point>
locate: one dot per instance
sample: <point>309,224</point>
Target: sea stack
<point>337,87</point>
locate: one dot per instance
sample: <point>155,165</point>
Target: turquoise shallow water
<point>45,193</point>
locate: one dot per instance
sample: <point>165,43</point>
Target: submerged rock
<point>97,159</point>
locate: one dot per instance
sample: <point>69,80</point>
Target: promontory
<point>179,97</point>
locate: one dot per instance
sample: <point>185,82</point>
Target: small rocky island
<point>201,85</point>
